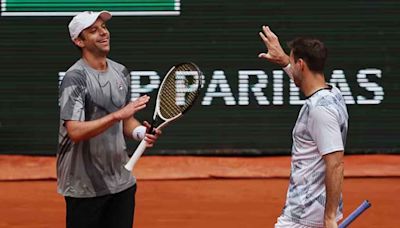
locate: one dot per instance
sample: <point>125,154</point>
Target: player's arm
<point>324,128</point>
<point>83,130</point>
<point>275,53</point>
<point>334,169</point>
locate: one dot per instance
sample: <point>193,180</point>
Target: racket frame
<point>357,212</point>
<point>157,114</point>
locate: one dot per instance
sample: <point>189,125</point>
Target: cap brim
<point>105,15</point>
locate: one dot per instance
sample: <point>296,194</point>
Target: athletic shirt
<point>320,129</point>
<point>93,167</point>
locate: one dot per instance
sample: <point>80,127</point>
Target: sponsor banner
<point>71,7</point>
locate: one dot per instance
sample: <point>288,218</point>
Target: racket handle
<point>357,212</point>
<point>136,155</point>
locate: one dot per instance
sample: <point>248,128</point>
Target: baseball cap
<point>84,20</point>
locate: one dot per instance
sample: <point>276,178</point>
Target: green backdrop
<point>247,107</point>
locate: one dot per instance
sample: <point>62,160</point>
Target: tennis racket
<point>357,212</point>
<point>177,93</point>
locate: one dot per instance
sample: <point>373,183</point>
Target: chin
<point>105,50</point>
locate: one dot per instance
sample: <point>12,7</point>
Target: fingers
<point>268,38</point>
<point>268,33</point>
<point>265,34</point>
<point>146,124</point>
<point>265,56</point>
<point>151,139</point>
<point>158,132</point>
<point>275,53</point>
<point>136,108</point>
<point>131,108</point>
<point>141,100</point>
<point>263,37</point>
<point>139,103</point>
<point>262,55</point>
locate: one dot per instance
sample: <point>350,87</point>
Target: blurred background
<point>248,106</point>
<point>241,121</point>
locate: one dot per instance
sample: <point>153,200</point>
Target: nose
<point>103,31</point>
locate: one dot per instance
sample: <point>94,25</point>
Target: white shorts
<point>284,222</point>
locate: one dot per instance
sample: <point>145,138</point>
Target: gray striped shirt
<point>93,167</point>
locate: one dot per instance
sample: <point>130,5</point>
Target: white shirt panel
<point>321,128</point>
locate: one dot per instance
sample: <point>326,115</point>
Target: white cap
<point>84,20</point>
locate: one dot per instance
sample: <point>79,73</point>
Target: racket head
<point>177,93</point>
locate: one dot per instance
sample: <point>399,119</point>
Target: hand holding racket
<point>177,93</point>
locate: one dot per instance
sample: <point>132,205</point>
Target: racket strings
<point>169,106</point>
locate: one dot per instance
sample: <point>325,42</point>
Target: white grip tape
<point>136,155</point>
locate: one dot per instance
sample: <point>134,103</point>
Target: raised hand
<point>275,53</point>
<point>131,108</point>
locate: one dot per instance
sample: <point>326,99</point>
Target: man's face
<point>96,38</point>
<point>296,70</point>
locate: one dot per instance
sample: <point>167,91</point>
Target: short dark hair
<point>311,50</point>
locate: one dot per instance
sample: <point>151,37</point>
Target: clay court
<point>199,192</point>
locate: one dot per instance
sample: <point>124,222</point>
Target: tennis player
<point>95,115</point>
<point>314,195</point>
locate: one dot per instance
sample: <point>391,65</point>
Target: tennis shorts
<point>115,210</point>
<point>284,222</point>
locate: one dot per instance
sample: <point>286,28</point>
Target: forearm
<point>83,130</point>
<point>333,183</point>
<point>284,60</point>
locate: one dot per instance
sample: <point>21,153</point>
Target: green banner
<point>70,7</point>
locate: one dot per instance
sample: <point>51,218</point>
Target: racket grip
<point>136,155</point>
<point>357,212</point>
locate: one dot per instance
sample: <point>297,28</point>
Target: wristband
<point>139,132</point>
<point>288,70</point>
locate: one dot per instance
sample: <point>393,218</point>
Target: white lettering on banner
<point>339,80</point>
<point>294,98</point>
<point>218,87</point>
<point>137,88</point>
<point>256,88</point>
<point>370,86</point>
<point>278,87</point>
<point>60,77</point>
<point>219,80</point>
<point>182,86</point>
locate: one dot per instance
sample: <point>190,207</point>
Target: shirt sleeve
<point>72,96</point>
<point>127,79</point>
<point>324,128</point>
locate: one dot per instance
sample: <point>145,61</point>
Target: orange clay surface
<point>194,192</point>
<point>211,203</point>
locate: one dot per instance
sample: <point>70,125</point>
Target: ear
<point>79,42</point>
<point>302,63</point>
